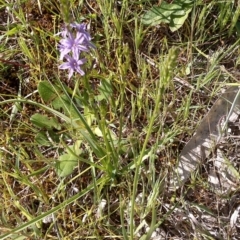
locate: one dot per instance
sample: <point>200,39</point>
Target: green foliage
<point>47,138</point>
<point>46,91</point>
<point>56,96</point>
<point>43,121</point>
<point>174,14</point>
<point>47,135</point>
<point>105,90</point>
<point>69,160</point>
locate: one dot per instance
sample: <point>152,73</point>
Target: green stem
<point>139,160</point>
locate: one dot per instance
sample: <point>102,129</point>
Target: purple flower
<point>73,65</point>
<point>75,40</point>
<point>64,32</point>
<point>74,44</point>
<point>81,28</point>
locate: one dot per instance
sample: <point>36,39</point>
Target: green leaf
<point>52,93</point>
<point>46,91</point>
<point>68,161</point>
<point>62,103</point>
<point>47,138</point>
<point>184,2</point>
<point>173,14</point>
<point>157,15</point>
<point>43,121</point>
<point>179,21</point>
<point>42,140</point>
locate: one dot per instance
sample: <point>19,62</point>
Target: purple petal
<point>80,27</point>
<point>66,42</point>
<point>81,61</point>
<point>63,53</point>
<point>80,71</point>
<point>64,66</point>
<point>76,55</point>
<point>70,73</point>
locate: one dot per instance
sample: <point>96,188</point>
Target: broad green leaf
<point>179,21</point>
<point>67,162</point>
<point>42,140</point>
<point>174,14</point>
<point>46,91</point>
<point>59,100</point>
<point>160,14</point>
<point>62,103</point>
<point>47,138</point>
<point>65,165</point>
<point>43,121</point>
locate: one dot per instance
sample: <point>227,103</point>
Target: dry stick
<point>201,144</point>
<point>14,63</point>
